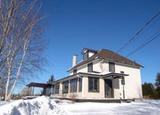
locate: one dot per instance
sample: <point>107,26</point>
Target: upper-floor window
<point>93,84</point>
<point>85,56</point>
<point>74,71</point>
<point>90,67</point>
<point>111,67</point>
<point>122,72</point>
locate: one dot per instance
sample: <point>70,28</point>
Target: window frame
<point>65,87</point>
<point>73,85</point>
<point>90,67</point>
<point>85,56</point>
<point>74,71</point>
<point>56,90</point>
<point>91,84</point>
<point>111,67</point>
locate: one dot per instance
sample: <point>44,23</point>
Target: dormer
<point>88,53</point>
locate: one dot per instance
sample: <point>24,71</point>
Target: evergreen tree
<point>148,89</point>
<point>52,78</point>
<point>157,84</point>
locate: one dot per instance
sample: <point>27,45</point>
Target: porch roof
<point>40,85</point>
<point>115,75</point>
<point>109,76</point>
<point>81,74</point>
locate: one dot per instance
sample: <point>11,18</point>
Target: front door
<point>108,88</point>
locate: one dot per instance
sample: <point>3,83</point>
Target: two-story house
<point>101,74</point>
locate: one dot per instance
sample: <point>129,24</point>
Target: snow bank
<point>2,103</point>
<point>38,106</point>
<point>46,106</point>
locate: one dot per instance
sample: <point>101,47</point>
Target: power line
<point>139,31</point>
<point>156,35</point>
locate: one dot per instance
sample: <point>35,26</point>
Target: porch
<point>91,86</point>
<point>86,86</point>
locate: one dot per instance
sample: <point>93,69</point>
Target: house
<point>101,74</point>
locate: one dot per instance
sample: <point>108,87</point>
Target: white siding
<point>133,88</point>
<point>90,54</point>
<point>98,66</point>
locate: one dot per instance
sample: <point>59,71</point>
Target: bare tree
<point>20,41</point>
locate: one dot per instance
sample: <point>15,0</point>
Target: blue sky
<point>74,24</point>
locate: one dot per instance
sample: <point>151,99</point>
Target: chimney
<point>74,60</point>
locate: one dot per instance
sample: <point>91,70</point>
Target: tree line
<point>152,90</point>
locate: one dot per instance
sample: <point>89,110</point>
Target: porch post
<point>69,86</point>
<point>84,86</point>
<point>78,85</point>
<point>32,91</point>
<point>123,83</point>
<point>60,89</point>
<point>102,87</point>
<point>52,90</point>
<point>29,91</point>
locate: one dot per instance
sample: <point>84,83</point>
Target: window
<point>80,84</point>
<point>74,71</point>
<point>93,84</point>
<point>46,91</point>
<point>90,67</point>
<point>122,72</point>
<point>73,85</point>
<point>85,56</point>
<point>123,81</point>
<point>65,87</point>
<point>111,67</point>
<point>57,89</point>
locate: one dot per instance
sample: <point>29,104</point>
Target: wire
<point>155,36</point>
<point>139,31</point>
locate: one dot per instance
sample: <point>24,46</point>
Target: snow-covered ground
<point>45,106</point>
<point>147,107</point>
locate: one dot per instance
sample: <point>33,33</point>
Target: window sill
<point>93,72</point>
<point>93,91</point>
<point>73,92</point>
<point>65,93</point>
